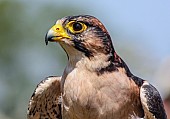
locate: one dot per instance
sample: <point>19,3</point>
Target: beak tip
<point>46,39</point>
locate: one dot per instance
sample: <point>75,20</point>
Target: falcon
<point>96,83</point>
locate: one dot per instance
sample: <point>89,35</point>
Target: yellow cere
<point>58,32</point>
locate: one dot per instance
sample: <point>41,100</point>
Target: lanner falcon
<point>96,83</point>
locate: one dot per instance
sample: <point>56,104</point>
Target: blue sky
<point>147,18</point>
<point>146,21</point>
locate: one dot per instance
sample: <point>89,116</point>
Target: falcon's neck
<point>93,64</point>
<point>99,62</point>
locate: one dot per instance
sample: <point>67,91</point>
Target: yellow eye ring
<point>76,27</point>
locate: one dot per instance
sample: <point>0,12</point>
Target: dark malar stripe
<point>80,46</point>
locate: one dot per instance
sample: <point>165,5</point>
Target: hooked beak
<point>56,33</point>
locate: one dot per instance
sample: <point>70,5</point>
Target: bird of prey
<point>96,83</point>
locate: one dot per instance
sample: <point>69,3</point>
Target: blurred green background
<point>140,32</point>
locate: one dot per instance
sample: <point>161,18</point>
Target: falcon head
<point>86,42</point>
<point>83,33</point>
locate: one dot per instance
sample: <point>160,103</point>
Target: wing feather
<point>152,102</point>
<point>46,100</point>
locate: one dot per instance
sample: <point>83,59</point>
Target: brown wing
<point>45,102</point>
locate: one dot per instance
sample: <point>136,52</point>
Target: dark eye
<point>77,26</point>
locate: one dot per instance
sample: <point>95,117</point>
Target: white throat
<point>77,59</point>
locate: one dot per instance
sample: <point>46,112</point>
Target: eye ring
<point>77,26</point>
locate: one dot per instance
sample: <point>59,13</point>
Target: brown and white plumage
<point>45,102</point>
<point>96,83</point>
